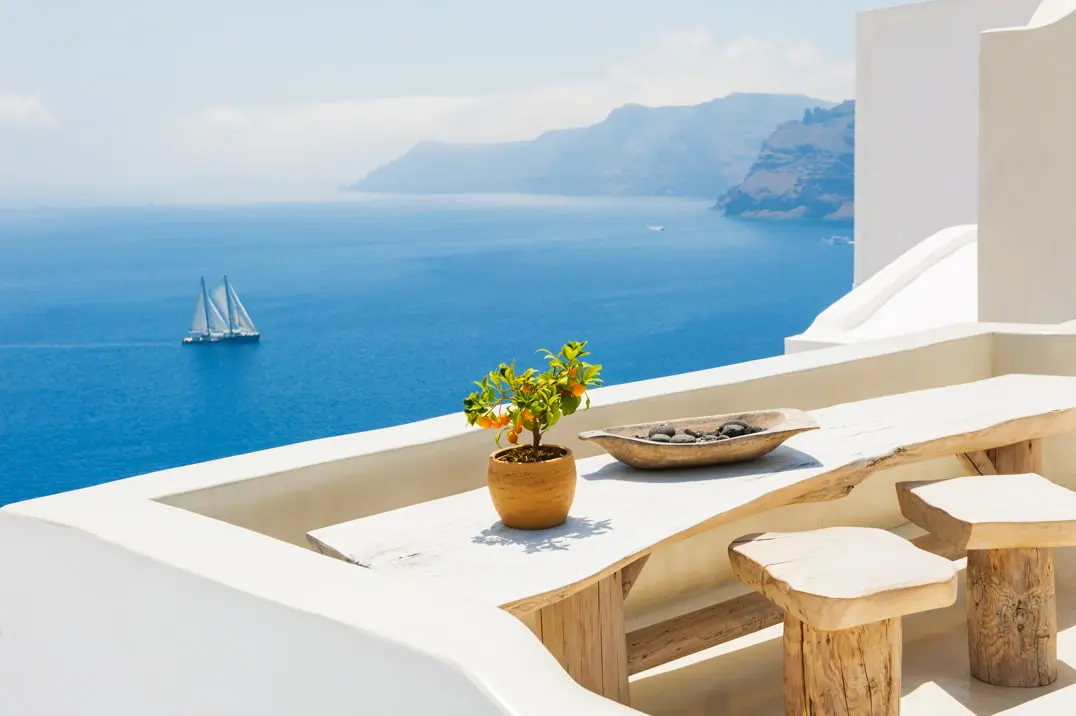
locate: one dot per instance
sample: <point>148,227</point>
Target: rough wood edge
<point>832,485</point>
<point>717,624</point>
<point>629,574</point>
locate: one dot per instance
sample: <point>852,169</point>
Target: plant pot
<point>532,495</point>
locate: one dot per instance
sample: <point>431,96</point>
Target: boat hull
<point>213,339</point>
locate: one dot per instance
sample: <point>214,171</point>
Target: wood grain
<point>841,577</point>
<point>585,633</point>
<point>621,514</point>
<point>977,462</point>
<point>716,624</point>
<point>992,511</point>
<point>1020,457</point>
<point>1012,617</point>
<point>852,672</point>
<point>701,629</point>
<point>629,574</point>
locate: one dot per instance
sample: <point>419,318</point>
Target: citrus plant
<point>532,401</point>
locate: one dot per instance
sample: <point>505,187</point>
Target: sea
<point>373,312</point>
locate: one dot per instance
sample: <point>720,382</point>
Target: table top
<point>621,514</point>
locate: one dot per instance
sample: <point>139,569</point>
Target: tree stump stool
<point>843,590</point>
<point>1009,525</point>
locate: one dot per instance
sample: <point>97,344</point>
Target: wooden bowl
<point>778,425</point>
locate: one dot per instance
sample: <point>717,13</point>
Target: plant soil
<point>528,453</point>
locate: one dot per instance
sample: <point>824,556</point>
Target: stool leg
<point>1012,616</point>
<point>852,671</point>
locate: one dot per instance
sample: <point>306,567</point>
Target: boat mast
<point>228,298</point>
<point>205,305</point>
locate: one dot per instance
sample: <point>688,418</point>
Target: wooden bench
<point>1009,525</point>
<point>843,591</point>
<point>574,578</point>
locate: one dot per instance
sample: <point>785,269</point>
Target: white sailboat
<point>220,316</point>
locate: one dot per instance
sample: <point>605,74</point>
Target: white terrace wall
<point>113,603</point>
<point>1027,217</point>
<point>917,69</point>
<point>289,503</point>
<point>171,614</point>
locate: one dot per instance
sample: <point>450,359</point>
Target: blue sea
<point>373,312</point>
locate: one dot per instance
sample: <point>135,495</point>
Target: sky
<point>136,101</point>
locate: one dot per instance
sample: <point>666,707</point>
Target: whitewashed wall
<point>917,121</point>
<point>1027,219</point>
<point>128,599</point>
<point>222,623</point>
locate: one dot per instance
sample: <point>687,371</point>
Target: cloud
<point>24,111</point>
<point>337,141</point>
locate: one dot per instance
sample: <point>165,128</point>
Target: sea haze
<point>373,312</point>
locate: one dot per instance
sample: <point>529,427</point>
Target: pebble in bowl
<point>708,440</point>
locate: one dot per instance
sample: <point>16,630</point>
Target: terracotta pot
<point>532,495</point>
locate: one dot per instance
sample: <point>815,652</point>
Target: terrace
<point>197,590</point>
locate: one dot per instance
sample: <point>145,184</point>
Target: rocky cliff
<point>805,170</point>
<point>692,151</point>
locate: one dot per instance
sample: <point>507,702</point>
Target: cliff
<point>805,170</point>
<point>692,151</point>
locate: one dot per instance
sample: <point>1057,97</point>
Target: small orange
<point>578,389</point>
<point>503,420</point>
<point>484,422</point>
<point>517,429</point>
<point>513,438</point>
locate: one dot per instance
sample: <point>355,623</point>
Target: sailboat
<point>219,316</point>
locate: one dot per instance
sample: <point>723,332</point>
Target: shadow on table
<point>533,541</point>
<point>782,459</point>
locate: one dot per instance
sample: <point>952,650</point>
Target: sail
<point>220,299</point>
<point>239,314</point>
<point>198,324</point>
<point>217,322</point>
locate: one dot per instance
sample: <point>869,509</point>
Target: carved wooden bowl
<point>623,443</point>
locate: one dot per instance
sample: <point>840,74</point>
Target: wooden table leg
<point>585,632</point>
<point>1021,457</point>
<point>1012,616</point>
<point>834,673</point>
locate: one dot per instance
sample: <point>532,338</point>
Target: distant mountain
<point>695,151</point>
<point>805,170</point>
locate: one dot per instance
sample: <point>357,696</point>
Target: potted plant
<point>532,483</point>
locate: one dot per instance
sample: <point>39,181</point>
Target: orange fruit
<point>517,429</point>
<point>513,438</point>
<point>578,389</point>
<point>503,420</point>
<point>484,422</point>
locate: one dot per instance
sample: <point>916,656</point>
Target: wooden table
<point>575,576</point>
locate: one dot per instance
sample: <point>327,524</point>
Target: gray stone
<point>662,429</point>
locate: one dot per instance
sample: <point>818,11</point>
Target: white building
<point>195,590</point>
<point>961,171</point>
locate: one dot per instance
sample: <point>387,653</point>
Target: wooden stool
<point>843,590</point>
<point>1008,524</point>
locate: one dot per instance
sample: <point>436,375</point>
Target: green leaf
<point>569,404</point>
